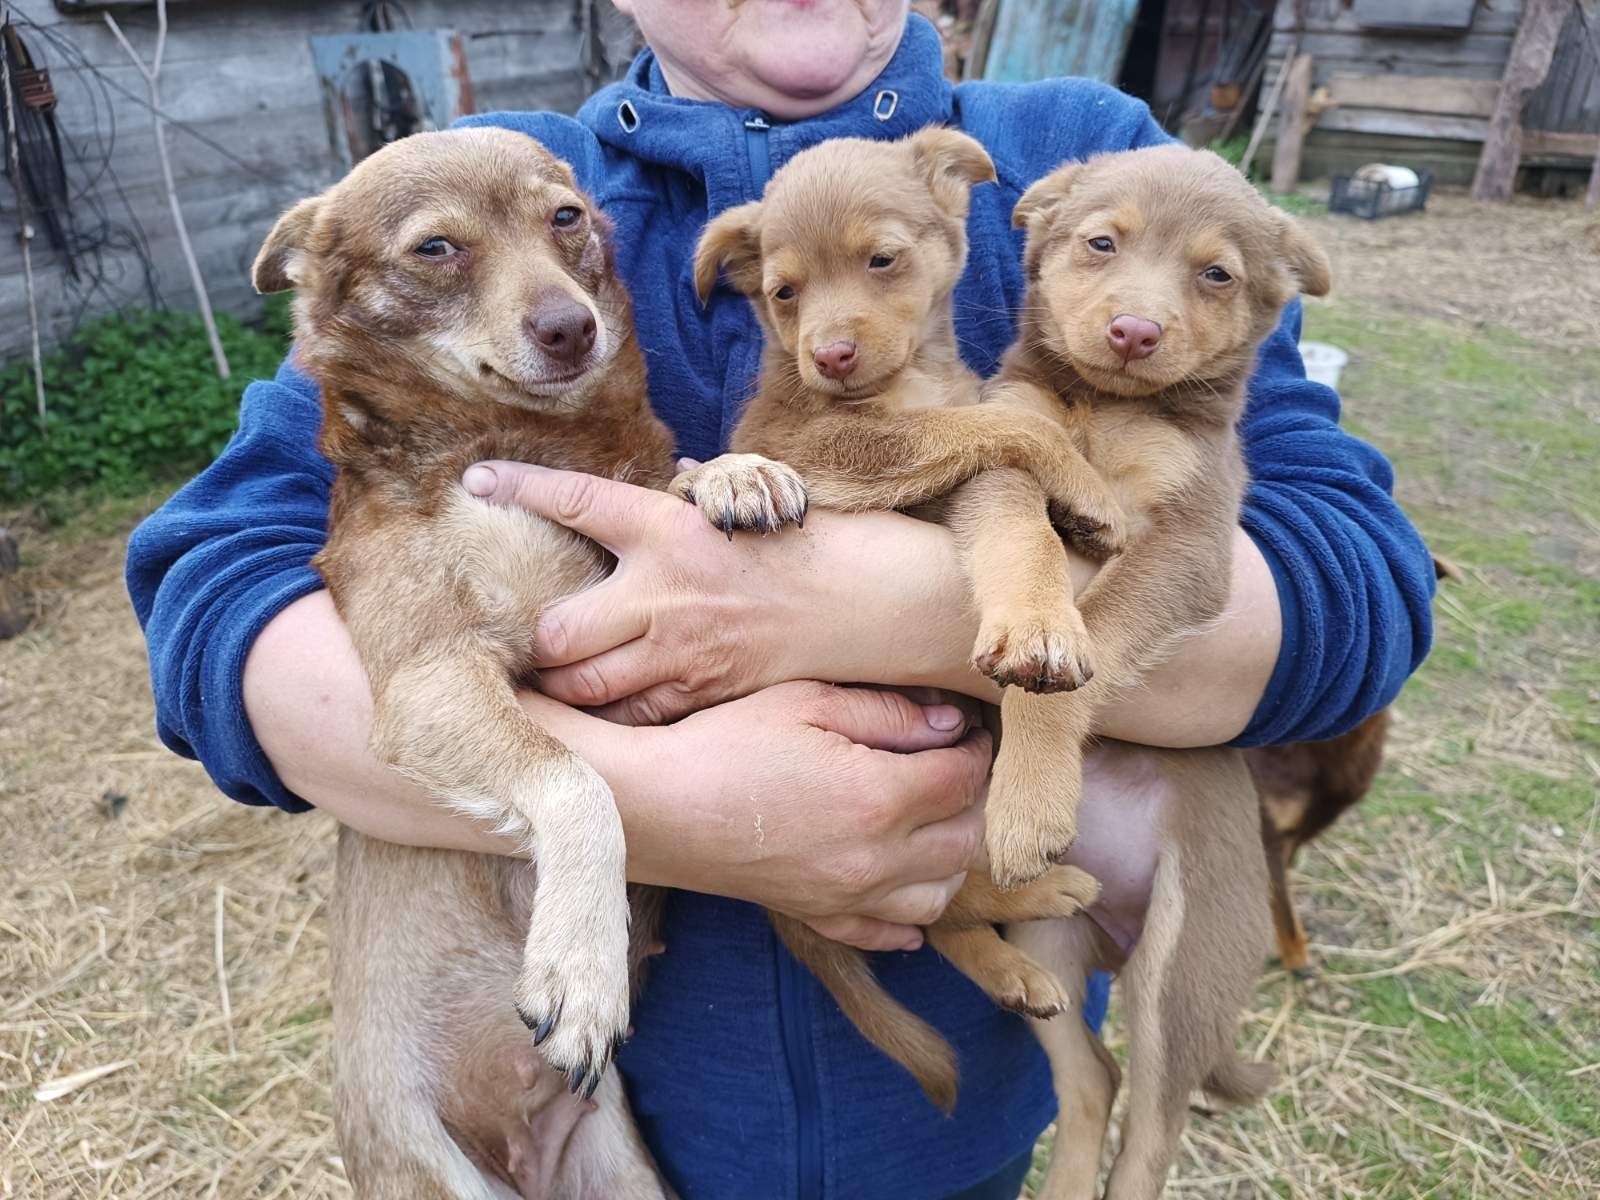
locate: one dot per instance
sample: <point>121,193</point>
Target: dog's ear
<point>732,244</point>
<point>952,162</point>
<point>277,266</point>
<point>1304,256</point>
<point>1044,196</point>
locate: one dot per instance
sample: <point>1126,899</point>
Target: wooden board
<point>1038,39</point>
<point>1442,94</point>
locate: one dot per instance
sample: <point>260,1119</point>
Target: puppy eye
<point>1216,275</point>
<point>879,262</point>
<point>566,216</point>
<point>1103,244</point>
<point>436,247</point>
<point>784,293</point>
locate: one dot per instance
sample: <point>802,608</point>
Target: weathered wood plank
<point>1340,17</point>
<point>1407,124</point>
<point>1404,54</point>
<point>1291,125</point>
<point>1442,94</point>
<point>1525,71</point>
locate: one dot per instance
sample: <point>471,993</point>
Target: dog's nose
<point>1133,337</point>
<point>563,329</point>
<point>836,360</point>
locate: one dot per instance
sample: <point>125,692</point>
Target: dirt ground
<point>164,1015</point>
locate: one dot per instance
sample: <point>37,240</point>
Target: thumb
<point>604,510</point>
<point>887,720</point>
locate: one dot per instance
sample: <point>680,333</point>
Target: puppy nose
<point>836,360</point>
<point>1133,337</point>
<point>563,329</point>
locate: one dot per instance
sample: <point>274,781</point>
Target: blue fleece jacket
<point>745,1077</point>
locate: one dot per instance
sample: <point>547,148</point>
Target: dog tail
<point>882,1020</point>
<point>1235,1081</point>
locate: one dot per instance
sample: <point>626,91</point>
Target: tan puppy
<point>1153,276</point>
<point>850,259</point>
<point>456,302</point>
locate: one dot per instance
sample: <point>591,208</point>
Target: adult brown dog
<point>850,259</point>
<point>1153,276</point>
<point>456,302</point>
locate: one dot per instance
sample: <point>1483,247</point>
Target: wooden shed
<point>250,131</point>
<point>1414,82</point>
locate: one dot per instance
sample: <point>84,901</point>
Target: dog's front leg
<point>449,719</point>
<point>1030,634</point>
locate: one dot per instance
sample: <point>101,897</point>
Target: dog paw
<point>1058,894</point>
<point>1030,819</point>
<point>572,994</point>
<point>1037,654</point>
<point>1029,989</point>
<point>1091,521</point>
<point>744,491</point>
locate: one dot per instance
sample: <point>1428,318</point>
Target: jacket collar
<point>711,142</point>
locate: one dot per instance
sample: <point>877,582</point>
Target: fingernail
<point>943,717</point>
<point>479,480</point>
<point>914,942</point>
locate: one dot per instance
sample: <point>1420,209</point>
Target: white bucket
<point>1323,362</point>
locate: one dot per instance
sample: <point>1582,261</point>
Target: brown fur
<point>429,362</point>
<point>1144,233</point>
<point>871,239</point>
<point>1305,788</point>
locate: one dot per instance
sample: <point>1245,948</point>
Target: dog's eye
<point>1216,275</point>
<point>436,247</point>
<point>1103,244</point>
<point>881,262</point>
<point>566,216</point>
<point>784,293</point>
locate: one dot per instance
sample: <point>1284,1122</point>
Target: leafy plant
<point>134,400</point>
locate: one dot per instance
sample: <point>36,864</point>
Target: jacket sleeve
<point>219,560</point>
<point>1355,582</point>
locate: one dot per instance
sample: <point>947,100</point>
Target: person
<point>856,808</point>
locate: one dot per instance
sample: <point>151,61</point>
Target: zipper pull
<point>757,124</point>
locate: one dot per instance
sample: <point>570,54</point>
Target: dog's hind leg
<point>1293,951</point>
<point>1195,965</point>
<point>1085,1074</point>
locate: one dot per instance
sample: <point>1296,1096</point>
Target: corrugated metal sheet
<point>1035,39</point>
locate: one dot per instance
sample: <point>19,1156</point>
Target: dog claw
<point>594,1082</point>
<point>575,1079</point>
<point>546,1027</point>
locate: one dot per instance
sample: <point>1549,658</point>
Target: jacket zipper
<point>755,142</point>
<point>794,1007</point>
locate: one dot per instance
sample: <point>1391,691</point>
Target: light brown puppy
<point>1153,276</point>
<point>456,302</point>
<point>850,259</point>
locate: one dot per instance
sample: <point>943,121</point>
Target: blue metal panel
<point>1035,39</point>
<point>433,61</point>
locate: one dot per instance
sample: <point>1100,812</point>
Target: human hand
<point>690,618</point>
<point>850,808</point>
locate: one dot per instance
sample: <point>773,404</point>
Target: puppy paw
<point>1036,653</point>
<point>572,994</point>
<point>1058,894</point>
<point>1031,817</point>
<point>744,491</point>
<point>1091,521</point>
<point>1026,987</point>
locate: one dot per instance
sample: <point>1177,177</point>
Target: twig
<point>151,77</point>
<point>24,230</point>
<point>222,979</point>
<point>1269,109</point>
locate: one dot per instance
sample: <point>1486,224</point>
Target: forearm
<point>1203,695</point>
<point>310,707</point>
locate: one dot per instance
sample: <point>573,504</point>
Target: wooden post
<point>1592,196</point>
<point>1531,51</point>
<point>1291,125</point>
<point>24,229</point>
<point>151,78</point>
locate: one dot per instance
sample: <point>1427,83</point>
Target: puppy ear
<point>1043,197</point>
<point>953,162</point>
<point>277,265</point>
<point>732,244</point>
<point>1304,257</point>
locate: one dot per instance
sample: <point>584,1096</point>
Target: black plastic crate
<point>1370,200</point>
